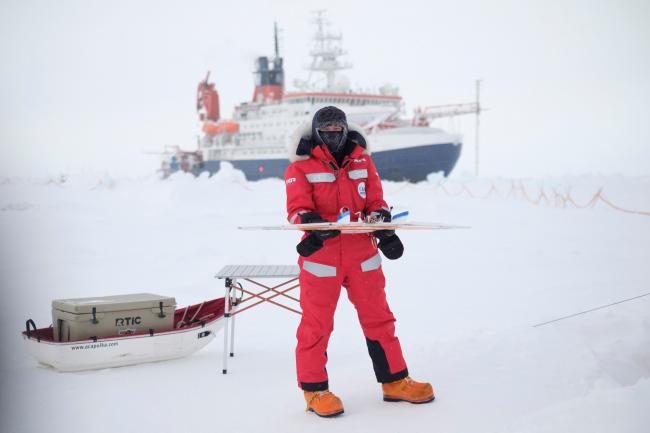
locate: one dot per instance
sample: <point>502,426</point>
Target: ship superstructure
<point>255,139</point>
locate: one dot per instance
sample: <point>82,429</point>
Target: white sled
<point>194,327</point>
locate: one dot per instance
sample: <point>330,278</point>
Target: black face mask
<point>332,139</point>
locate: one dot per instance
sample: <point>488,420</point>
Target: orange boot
<point>408,390</point>
<point>323,403</point>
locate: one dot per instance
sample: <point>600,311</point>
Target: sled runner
<point>193,328</point>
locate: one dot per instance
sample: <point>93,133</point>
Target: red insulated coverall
<point>349,260</point>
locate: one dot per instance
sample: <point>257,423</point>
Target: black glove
<point>314,217</point>
<point>382,215</point>
<point>391,246</point>
<point>314,241</point>
<point>389,243</point>
<point>309,245</point>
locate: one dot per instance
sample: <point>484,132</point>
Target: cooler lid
<point>113,303</point>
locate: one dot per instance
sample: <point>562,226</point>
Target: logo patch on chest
<point>362,189</point>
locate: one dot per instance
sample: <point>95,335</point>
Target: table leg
<point>233,317</point>
<point>226,317</point>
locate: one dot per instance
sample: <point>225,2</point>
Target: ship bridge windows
<point>354,100</point>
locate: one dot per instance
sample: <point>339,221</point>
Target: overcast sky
<point>91,85</point>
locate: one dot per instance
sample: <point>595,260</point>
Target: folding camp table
<point>251,273</point>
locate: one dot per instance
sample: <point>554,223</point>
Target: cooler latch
<point>161,314</point>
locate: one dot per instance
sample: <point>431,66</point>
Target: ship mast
<point>275,37</point>
<point>269,75</point>
<point>327,49</point>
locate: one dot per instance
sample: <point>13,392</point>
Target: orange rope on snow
<point>512,190</point>
<point>613,206</point>
<point>557,199</point>
<point>490,191</point>
<point>450,194</point>
<point>467,191</point>
<point>590,203</point>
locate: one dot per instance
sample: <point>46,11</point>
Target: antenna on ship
<point>327,49</point>
<point>275,35</point>
<point>478,113</point>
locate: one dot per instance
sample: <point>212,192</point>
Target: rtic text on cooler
<point>126,321</point>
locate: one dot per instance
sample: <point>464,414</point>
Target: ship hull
<point>412,164</point>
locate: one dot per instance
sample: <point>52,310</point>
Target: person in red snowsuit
<point>332,172</point>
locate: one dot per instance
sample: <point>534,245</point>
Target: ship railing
<point>234,152</point>
<point>449,110</point>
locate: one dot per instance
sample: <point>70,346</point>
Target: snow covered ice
<point>465,301</point>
